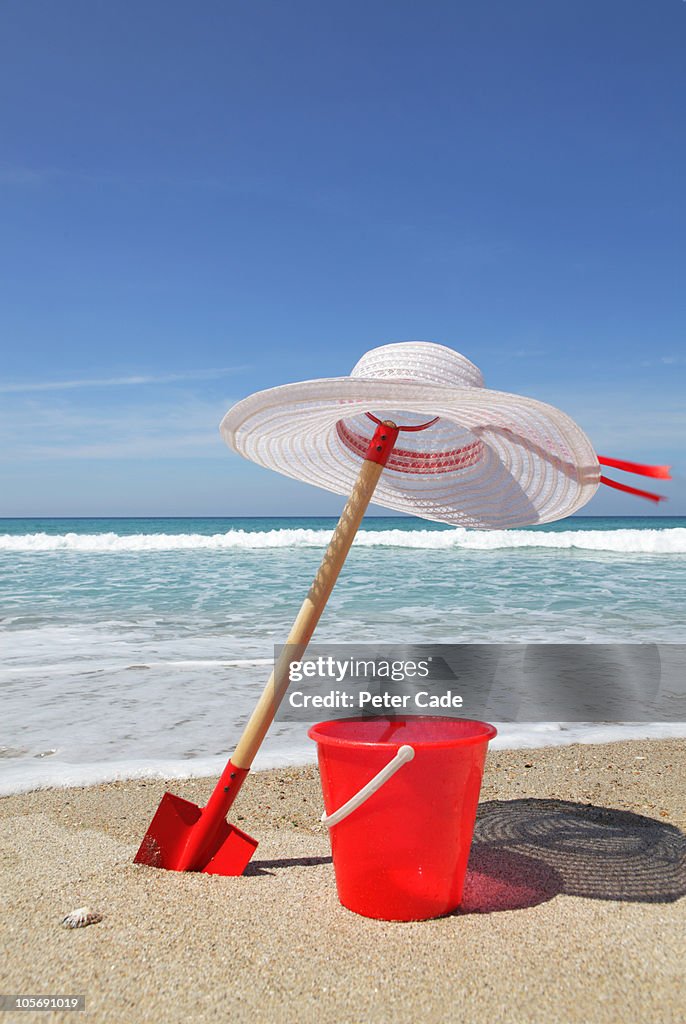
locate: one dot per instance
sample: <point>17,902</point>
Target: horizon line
<point>333,515</point>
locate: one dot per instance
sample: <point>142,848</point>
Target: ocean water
<point>139,646</point>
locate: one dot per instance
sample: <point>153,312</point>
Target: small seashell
<point>81,918</point>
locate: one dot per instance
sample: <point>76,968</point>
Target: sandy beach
<point>573,910</point>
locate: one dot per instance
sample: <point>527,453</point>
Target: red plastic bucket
<point>401,853</point>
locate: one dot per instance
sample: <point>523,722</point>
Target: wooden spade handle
<point>313,605</point>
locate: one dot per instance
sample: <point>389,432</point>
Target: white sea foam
<point>652,542</point>
<point>24,776</point>
<point>92,667</point>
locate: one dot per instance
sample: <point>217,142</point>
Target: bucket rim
<point>488,732</point>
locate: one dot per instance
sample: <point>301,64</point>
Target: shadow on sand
<point>527,851</point>
<point>267,867</point>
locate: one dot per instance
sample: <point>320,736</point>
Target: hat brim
<point>535,465</point>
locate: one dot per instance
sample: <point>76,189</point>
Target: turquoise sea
<point>139,646</point>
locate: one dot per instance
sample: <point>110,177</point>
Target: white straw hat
<point>491,460</point>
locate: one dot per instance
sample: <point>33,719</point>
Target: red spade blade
<point>227,852</point>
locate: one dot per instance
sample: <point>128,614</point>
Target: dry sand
<point>572,909</point>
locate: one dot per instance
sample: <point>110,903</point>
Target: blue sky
<point>201,200</point>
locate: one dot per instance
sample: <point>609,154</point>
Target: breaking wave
<point>653,542</point>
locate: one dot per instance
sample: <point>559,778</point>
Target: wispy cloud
<point>665,361</point>
<point>13,175</point>
<point>250,186</point>
<point>187,426</point>
<point>114,382</point>
<point>198,445</point>
<point>626,423</point>
<point>469,251</point>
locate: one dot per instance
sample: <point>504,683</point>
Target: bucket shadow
<point>504,880</point>
<point>527,851</point>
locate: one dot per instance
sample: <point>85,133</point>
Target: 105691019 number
<point>42,1002</point>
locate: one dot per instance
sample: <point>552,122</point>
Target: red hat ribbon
<point>660,472</point>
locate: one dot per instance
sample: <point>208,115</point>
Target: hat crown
<point>419,360</point>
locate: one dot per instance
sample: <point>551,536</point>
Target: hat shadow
<point>528,851</point>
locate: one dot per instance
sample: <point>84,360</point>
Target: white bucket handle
<point>404,754</point>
